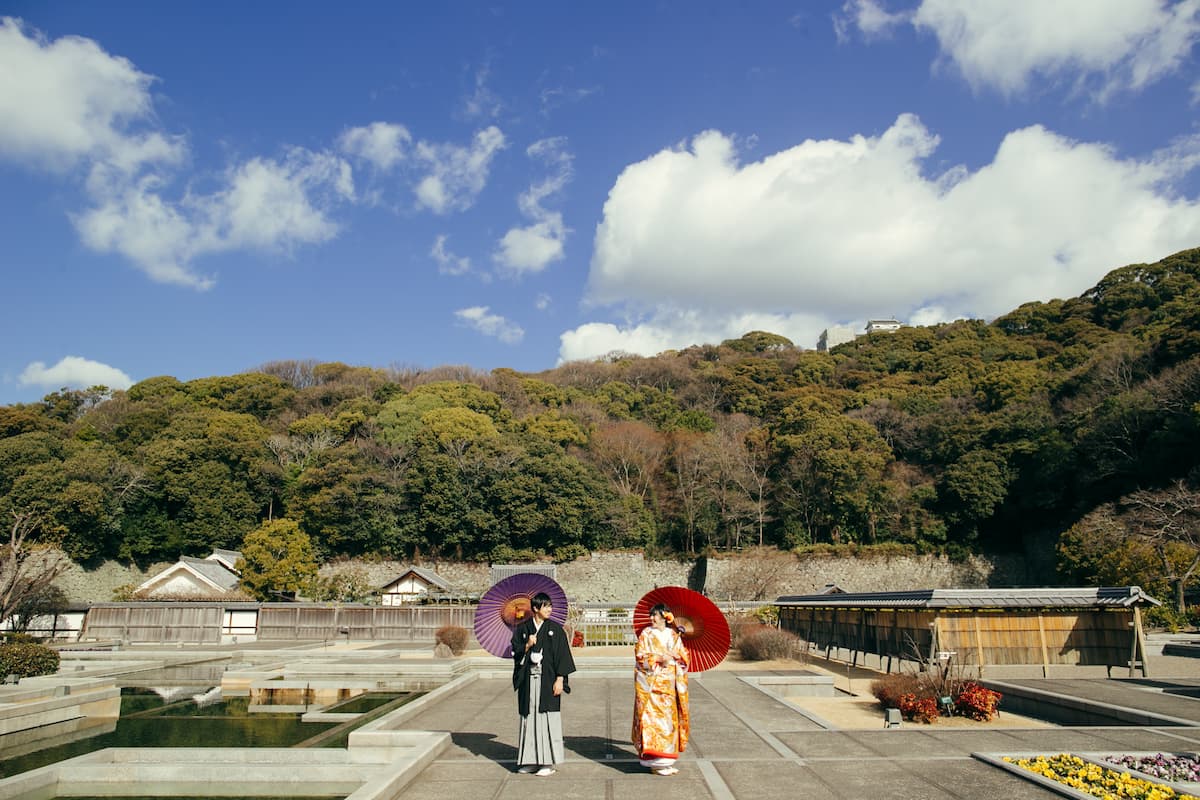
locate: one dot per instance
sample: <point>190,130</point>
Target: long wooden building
<point>978,627</point>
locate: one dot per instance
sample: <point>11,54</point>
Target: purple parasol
<point>507,604</point>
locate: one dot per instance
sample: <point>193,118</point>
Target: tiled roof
<point>213,570</point>
<point>231,556</point>
<point>430,577</point>
<point>502,571</point>
<point>1034,597</point>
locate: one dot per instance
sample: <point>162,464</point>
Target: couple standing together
<point>542,664</point>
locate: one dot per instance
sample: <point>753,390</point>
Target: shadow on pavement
<point>484,744</point>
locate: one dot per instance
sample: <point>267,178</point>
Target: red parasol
<point>703,627</point>
<point>507,604</point>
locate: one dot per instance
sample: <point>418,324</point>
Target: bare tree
<point>630,454</point>
<point>28,564</point>
<point>1168,520</point>
<point>758,574</point>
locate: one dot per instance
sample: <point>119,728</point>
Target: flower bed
<point>1093,779</point>
<point>1173,767</point>
<point>917,697</point>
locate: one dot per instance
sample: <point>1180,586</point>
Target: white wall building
<point>883,325</point>
<point>832,337</point>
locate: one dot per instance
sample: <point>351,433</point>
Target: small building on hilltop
<point>890,325</point>
<point>977,627</point>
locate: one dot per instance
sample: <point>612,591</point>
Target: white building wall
<point>832,337</point>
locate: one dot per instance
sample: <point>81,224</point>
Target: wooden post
<point>860,643</point>
<point>1045,652</point>
<point>933,641</point>
<point>1139,643</point>
<point>979,643</point>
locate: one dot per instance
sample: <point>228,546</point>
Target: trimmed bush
<point>26,659</point>
<point>453,636</point>
<point>768,643</point>
<point>741,625</point>
<point>977,702</point>
<point>910,693</point>
<point>916,695</point>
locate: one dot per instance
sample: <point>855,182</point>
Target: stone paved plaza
<point>748,744</point>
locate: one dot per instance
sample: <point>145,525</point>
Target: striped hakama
<point>540,738</point>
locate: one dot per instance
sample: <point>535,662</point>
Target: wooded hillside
<point>967,436</point>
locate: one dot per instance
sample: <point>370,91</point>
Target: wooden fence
<point>408,623</point>
<point>979,637</point>
<point>206,623</point>
<point>185,623</point>
<point>213,622</point>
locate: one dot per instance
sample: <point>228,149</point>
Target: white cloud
<point>482,102</point>
<point>265,204</point>
<point>670,328</point>
<point>829,231</point>
<point>869,16</point>
<point>448,263</point>
<point>69,106</point>
<point>542,301</point>
<point>75,372</point>
<point>274,204</point>
<point>558,96</point>
<point>1107,45</point>
<point>381,144</point>
<point>455,175</point>
<point>444,176</point>
<point>535,246</point>
<point>477,317</point>
<point>68,101</point>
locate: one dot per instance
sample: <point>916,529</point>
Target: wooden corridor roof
<point>1033,597</point>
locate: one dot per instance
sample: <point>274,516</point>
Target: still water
<point>191,717</point>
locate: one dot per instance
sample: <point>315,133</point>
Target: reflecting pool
<point>180,717</point>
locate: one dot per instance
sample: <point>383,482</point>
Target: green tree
<point>278,560</point>
<point>831,469</point>
<point>972,488</point>
<point>214,476</point>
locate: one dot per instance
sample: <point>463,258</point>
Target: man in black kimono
<point>541,663</point>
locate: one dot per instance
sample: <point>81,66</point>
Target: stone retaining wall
<point>622,577</point>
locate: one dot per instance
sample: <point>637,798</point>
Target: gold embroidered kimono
<point>660,704</point>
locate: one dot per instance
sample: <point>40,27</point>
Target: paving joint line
<point>712,778</point>
<point>758,730</point>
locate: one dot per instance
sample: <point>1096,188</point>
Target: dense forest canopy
<point>968,436</point>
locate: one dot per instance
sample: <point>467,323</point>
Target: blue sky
<point>195,189</point>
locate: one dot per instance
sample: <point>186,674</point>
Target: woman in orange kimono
<point>660,703</point>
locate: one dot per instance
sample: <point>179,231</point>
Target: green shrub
<point>26,659</point>
<point>1166,617</point>
<point>570,552</point>
<point>767,615</point>
<point>768,643</point>
<point>455,637</point>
